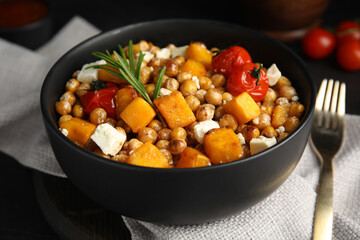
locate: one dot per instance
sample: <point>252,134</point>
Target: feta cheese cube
<point>163,53</point>
<point>108,139</point>
<point>261,143</point>
<point>89,74</point>
<point>179,51</point>
<point>148,56</point>
<point>273,74</point>
<point>241,138</point>
<point>203,127</point>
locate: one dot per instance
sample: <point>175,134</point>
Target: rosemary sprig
<point>130,72</point>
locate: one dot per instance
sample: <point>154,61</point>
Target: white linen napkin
<point>286,214</point>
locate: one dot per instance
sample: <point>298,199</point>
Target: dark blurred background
<point>20,215</point>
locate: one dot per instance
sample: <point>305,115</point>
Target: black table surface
<point>20,214</point>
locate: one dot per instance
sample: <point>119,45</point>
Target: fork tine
<point>328,97</point>
<point>342,99</point>
<point>320,101</point>
<point>333,107</point>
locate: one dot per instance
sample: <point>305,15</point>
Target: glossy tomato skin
<point>347,31</point>
<point>241,80</point>
<point>348,55</point>
<point>233,56</point>
<point>103,98</point>
<point>318,43</point>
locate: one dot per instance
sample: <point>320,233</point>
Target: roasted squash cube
<point>138,114</point>
<point>106,76</point>
<point>222,145</point>
<point>122,98</point>
<point>194,67</point>
<point>243,108</point>
<point>198,51</point>
<point>192,158</point>
<point>78,130</point>
<point>175,110</point>
<point>148,155</point>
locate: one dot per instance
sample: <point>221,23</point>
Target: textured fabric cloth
<point>286,214</point>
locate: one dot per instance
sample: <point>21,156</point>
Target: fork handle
<point>323,219</point>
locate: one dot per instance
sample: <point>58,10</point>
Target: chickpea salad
<point>177,106</point>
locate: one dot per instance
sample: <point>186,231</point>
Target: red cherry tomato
<point>348,55</point>
<point>347,31</point>
<point>318,43</point>
<point>233,56</point>
<point>103,98</point>
<point>250,78</point>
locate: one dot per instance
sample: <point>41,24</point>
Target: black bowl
<point>179,196</point>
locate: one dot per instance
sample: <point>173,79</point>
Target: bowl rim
<point>54,128</point>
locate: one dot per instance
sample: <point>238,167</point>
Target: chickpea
<point>63,107</point>
<point>172,69</point>
<point>147,134</point>
<point>240,127</point>
<point>188,87</point>
<point>205,112</point>
<point>134,144</point>
<point>266,109</point>
<point>219,112</point>
<point>193,102</point>
<point>279,116</point>
<point>296,109</point>
<point>227,97</point>
<point>145,74</point>
<point>177,146</point>
<point>150,88</point>
<point>287,91</point>
<point>178,133</point>
<point>172,84</point>
<point>205,82</point>
<point>101,154</point>
<point>213,96</point>
<point>283,101</point>
<point>270,96</point>
<point>124,125</point>
<point>162,144</point>
<point>98,116</point>
<point>200,94</point>
<point>78,111</point>
<point>167,154</point>
<point>64,118</point>
<point>122,156</point>
<point>156,73</point>
<point>262,121</point>
<point>282,136</point>
<point>120,130</point>
<point>218,80</point>
<point>154,49</point>
<point>269,132</point>
<point>283,81</point>
<point>75,74</point>
<point>182,76</point>
<point>164,134</point>
<point>228,121</point>
<point>178,60</point>
<point>249,132</point>
<point>156,125</point>
<point>72,85</point>
<point>112,122</point>
<point>291,124</point>
<point>155,62</point>
<point>83,89</point>
<point>190,127</point>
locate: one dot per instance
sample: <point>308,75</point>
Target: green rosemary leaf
<point>159,82</point>
<point>138,67</point>
<point>131,57</point>
<point>123,55</point>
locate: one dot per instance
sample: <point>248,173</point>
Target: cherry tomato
<point>348,55</point>
<point>250,78</point>
<point>347,31</point>
<point>103,98</point>
<point>318,43</point>
<point>233,56</point>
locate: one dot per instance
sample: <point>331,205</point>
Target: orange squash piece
<point>243,108</point>
<point>222,145</point>
<point>198,51</point>
<point>122,98</point>
<point>194,67</point>
<point>105,76</point>
<point>138,114</point>
<point>148,155</point>
<point>192,158</point>
<point>78,130</point>
<point>175,110</point>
